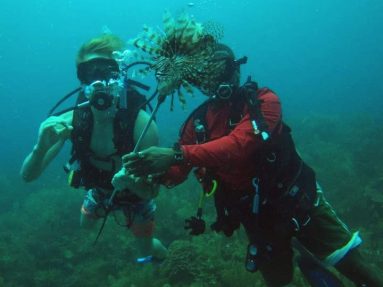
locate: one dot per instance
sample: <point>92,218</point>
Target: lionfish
<point>181,56</point>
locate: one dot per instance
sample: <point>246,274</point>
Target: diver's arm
<point>227,151</point>
<point>162,161</point>
<point>53,133</point>
<point>35,163</point>
<point>178,172</point>
<point>237,145</point>
<point>140,186</point>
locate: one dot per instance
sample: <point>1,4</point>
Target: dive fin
<point>316,274</point>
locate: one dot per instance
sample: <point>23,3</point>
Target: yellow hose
<point>213,189</point>
<point>204,194</point>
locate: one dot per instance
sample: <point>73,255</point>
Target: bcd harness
<point>282,180</point>
<point>86,175</point>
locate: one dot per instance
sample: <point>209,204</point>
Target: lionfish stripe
<point>188,88</point>
<point>181,25</point>
<point>168,22</point>
<point>181,98</point>
<point>154,38</point>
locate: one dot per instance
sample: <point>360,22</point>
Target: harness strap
<point>247,94</point>
<point>251,92</point>
<point>123,129</point>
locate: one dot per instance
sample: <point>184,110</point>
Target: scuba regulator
<point>101,81</point>
<point>228,85</point>
<point>101,94</point>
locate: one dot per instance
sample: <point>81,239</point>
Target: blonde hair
<point>103,45</point>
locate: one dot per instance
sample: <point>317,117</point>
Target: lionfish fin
<point>181,24</point>
<point>181,98</point>
<point>153,37</point>
<point>188,88</point>
<point>172,102</point>
<point>168,22</point>
<point>198,32</point>
<point>145,46</point>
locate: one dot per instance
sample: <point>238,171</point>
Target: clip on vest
<point>264,134</point>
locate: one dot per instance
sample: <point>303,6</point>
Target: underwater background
<point>323,58</point>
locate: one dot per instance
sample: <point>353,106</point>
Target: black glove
<point>196,225</point>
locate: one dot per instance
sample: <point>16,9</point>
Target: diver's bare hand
<point>122,180</point>
<point>144,187</point>
<point>53,130</point>
<point>153,160</point>
<point>119,179</point>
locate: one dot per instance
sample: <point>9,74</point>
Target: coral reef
<point>42,245</point>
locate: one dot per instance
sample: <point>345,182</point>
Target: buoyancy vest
<point>87,175</point>
<point>281,181</point>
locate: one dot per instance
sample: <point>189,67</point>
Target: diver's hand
<point>144,187</point>
<point>52,130</point>
<point>153,160</point>
<point>122,180</point>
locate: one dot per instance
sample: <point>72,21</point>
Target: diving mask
<point>224,91</point>
<point>102,94</point>
<point>98,69</point>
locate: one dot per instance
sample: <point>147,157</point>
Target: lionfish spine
<point>188,88</point>
<point>172,102</point>
<point>181,55</point>
<point>182,23</point>
<point>168,22</point>
<point>153,37</point>
<point>181,98</point>
<point>139,43</point>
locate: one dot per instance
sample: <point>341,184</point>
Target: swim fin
<point>316,274</point>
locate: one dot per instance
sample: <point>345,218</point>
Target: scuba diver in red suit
<point>238,139</point>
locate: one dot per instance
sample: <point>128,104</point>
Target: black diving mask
<point>224,91</point>
<point>98,69</point>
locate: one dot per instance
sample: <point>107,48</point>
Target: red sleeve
<point>178,173</point>
<point>239,144</point>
